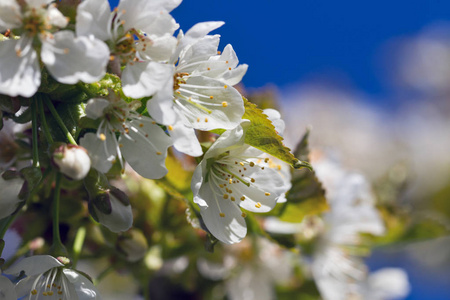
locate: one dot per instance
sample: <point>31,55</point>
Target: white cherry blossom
<point>140,35</point>
<point>142,143</point>
<point>69,59</point>
<point>47,278</point>
<point>234,175</point>
<point>337,267</point>
<point>199,94</point>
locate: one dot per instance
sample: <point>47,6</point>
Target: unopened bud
<point>73,161</point>
<point>133,244</point>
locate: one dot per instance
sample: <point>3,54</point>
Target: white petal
<point>157,49</point>
<point>95,107</point>
<point>120,219</point>
<point>34,265</point>
<point>197,32</point>
<point>102,153</point>
<point>92,18</point>
<point>10,15</point>
<point>224,105</point>
<point>230,139</point>
<point>143,79</point>
<point>185,140</point>
<point>7,291</point>
<point>229,228</point>
<point>202,50</point>
<point>275,117</point>
<point>56,18</point>
<point>19,75</point>
<point>149,16</point>
<point>71,59</point>
<point>266,189</point>
<point>145,149</point>
<point>84,288</point>
<point>9,195</point>
<point>161,107</point>
<point>388,283</point>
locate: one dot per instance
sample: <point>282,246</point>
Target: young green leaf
<point>261,134</point>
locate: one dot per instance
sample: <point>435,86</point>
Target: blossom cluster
<point>118,128</point>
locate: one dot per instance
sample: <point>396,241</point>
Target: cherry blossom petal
<point>120,219</point>
<point>93,18</point>
<point>71,59</point>
<point>10,15</point>
<point>142,79</point>
<point>145,148</point>
<point>19,68</point>
<point>84,288</point>
<point>101,152</point>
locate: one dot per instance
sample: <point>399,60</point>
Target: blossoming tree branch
<point>126,140</point>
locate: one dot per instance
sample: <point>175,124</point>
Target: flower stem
<point>60,122</point>
<point>58,247</point>
<point>34,126</point>
<point>78,245</point>
<point>103,274</point>
<point>86,90</point>
<point>44,124</point>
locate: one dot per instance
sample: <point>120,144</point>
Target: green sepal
<point>120,195</point>
<point>101,88</point>
<point>262,135</point>
<point>102,202</point>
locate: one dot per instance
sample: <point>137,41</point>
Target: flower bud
<point>73,161</point>
<point>133,244</point>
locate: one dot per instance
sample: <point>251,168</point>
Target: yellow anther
<point>232,198</point>
<point>226,62</point>
<point>198,119</point>
<point>209,69</point>
<point>33,292</point>
<point>243,198</point>
<point>266,159</point>
<point>218,52</point>
<point>221,186</point>
<point>225,196</point>
<point>241,163</point>
<point>225,86</point>
<point>252,164</point>
<point>102,136</point>
<point>111,57</point>
<point>267,194</point>
<point>230,181</point>
<point>252,179</point>
<point>170,127</point>
<point>224,103</point>
<point>122,22</point>
<point>258,205</point>
<point>19,52</point>
<point>278,167</point>
<point>48,286</point>
<point>206,120</point>
<point>44,293</point>
<point>66,50</point>
<point>141,125</point>
<point>50,293</point>
<point>120,145</point>
<point>60,292</point>
<point>244,215</point>
<point>229,69</point>
<point>153,122</point>
<point>222,215</point>
<point>211,97</point>
<point>158,153</point>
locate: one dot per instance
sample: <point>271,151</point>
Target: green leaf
<point>261,134</point>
